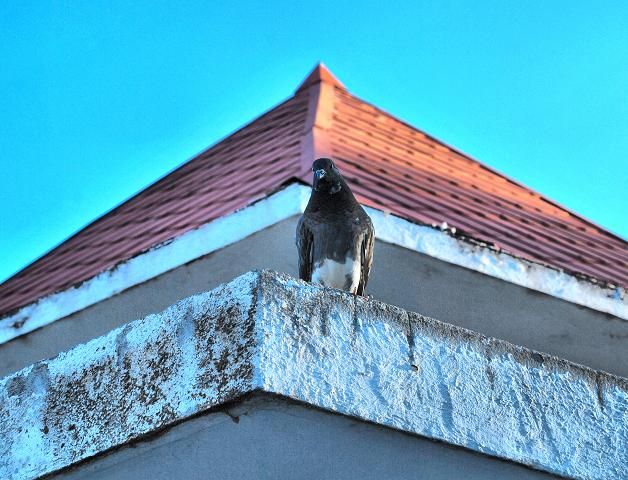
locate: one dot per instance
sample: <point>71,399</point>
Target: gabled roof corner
<point>320,74</point>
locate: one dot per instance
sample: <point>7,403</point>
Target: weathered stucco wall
<point>400,277</point>
<point>365,359</point>
<point>269,438</point>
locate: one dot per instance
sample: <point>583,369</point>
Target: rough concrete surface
<point>326,348</point>
<point>132,381</point>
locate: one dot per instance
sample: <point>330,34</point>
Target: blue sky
<point>101,98</point>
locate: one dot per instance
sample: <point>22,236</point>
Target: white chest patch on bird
<point>333,274</point>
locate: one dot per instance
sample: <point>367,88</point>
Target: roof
<point>389,164</point>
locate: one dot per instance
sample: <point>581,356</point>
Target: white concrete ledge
<point>157,260</point>
<point>266,331</point>
<point>284,204</point>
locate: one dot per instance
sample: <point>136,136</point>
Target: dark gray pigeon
<point>334,235</point>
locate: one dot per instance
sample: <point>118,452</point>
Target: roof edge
<point>289,202</point>
<point>151,184</point>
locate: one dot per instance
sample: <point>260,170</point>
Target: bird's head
<point>327,178</point>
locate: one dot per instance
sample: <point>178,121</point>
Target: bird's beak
<point>318,174</point>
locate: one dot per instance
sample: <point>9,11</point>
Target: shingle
<point>215,183</point>
<point>466,194</point>
<point>389,164</point>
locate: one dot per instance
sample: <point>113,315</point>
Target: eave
<point>289,202</point>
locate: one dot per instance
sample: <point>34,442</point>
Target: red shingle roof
<point>390,165</point>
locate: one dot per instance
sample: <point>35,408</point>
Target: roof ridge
<point>315,143</point>
<point>320,74</point>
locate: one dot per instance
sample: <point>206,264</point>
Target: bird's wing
<point>304,246</point>
<point>366,258</point>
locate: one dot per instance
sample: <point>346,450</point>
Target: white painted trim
<point>280,206</point>
<point>438,244</point>
<point>159,259</point>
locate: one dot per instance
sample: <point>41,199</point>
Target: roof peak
<point>320,73</point>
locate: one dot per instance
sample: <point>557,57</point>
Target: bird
<point>335,236</point>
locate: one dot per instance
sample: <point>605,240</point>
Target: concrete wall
<point>400,277</point>
<point>268,332</point>
<point>268,437</point>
